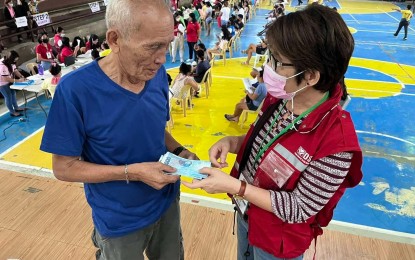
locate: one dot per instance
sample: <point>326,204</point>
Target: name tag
<point>49,55</point>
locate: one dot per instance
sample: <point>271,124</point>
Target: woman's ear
<point>312,77</point>
<point>113,40</point>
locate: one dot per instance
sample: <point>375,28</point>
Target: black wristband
<point>178,150</point>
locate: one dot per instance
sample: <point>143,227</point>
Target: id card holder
<point>241,205</point>
<point>276,169</point>
<point>48,55</point>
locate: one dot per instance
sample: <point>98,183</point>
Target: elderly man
<point>106,128</point>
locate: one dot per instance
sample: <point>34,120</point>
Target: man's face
<point>144,52</point>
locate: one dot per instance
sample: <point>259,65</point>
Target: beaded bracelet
<point>127,178</point>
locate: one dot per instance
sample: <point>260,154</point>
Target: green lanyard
<point>308,111</point>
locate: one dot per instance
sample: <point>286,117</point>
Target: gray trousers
<point>161,240</point>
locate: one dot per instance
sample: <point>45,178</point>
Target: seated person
<point>222,44</point>
<point>51,83</point>
<point>60,32</point>
<point>201,46</point>
<point>78,41</point>
<point>255,99</point>
<point>66,50</point>
<point>93,43</point>
<point>95,54</point>
<point>255,48</point>
<point>44,51</point>
<point>239,24</point>
<point>201,67</point>
<point>183,82</point>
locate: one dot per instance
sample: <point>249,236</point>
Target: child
<point>50,84</point>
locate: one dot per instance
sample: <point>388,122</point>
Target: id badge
<point>48,55</point>
<point>276,169</point>
<point>241,204</point>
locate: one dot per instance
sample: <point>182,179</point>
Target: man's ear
<point>312,77</point>
<point>113,40</point>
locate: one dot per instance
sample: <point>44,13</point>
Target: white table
<point>36,88</point>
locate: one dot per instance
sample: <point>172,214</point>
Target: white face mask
<point>11,4</point>
<point>62,34</point>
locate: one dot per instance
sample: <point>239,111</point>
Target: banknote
<point>185,167</point>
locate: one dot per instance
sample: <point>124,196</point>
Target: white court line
<point>354,18</point>
<point>385,135</point>
<point>335,225</point>
<point>385,44</point>
<point>364,22</point>
<point>381,91</point>
<point>360,89</point>
<point>19,143</point>
<point>340,7</point>
<point>19,104</point>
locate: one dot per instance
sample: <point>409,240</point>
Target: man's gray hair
<point>120,14</point>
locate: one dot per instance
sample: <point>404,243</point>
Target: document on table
<point>185,167</point>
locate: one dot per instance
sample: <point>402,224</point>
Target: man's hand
<point>154,174</point>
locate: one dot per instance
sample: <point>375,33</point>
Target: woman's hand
<point>220,151</point>
<point>216,182</point>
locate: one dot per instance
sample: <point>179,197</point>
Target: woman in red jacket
<point>301,154</point>
<point>193,34</point>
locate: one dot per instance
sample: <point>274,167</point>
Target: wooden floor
<point>41,218</point>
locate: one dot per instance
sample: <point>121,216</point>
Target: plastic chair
<point>244,115</point>
<point>170,123</point>
<point>223,52</point>
<point>207,80</point>
<point>31,68</point>
<point>259,56</point>
<point>186,98</point>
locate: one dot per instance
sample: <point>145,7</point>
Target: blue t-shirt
<point>93,117</point>
<point>261,91</point>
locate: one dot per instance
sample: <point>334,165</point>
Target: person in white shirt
<point>225,13</point>
<point>178,42</point>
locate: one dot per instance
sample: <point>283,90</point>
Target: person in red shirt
<point>302,152</point>
<point>57,39</point>
<point>193,34</point>
<point>44,53</point>
<point>66,50</point>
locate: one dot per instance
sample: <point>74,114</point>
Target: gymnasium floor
<point>381,80</point>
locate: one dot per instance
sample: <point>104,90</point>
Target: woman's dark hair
<point>202,46</point>
<point>39,38</point>
<point>95,54</point>
<point>75,42</point>
<point>193,16</point>
<point>226,34</point>
<point>93,37</point>
<point>9,60</point>
<point>59,30</point>
<point>55,69</point>
<point>200,54</point>
<point>106,46</point>
<point>313,39</point>
<point>185,69</point>
<point>208,4</point>
<point>65,42</point>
